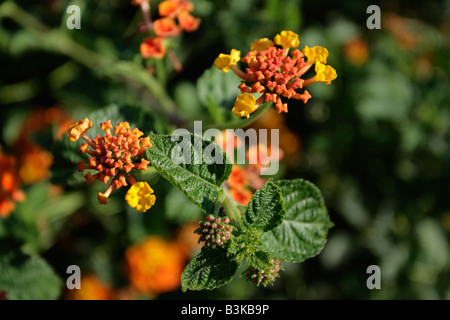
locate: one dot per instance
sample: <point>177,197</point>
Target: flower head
<point>155,265</point>
<point>276,73</point>
<point>153,48</point>
<point>140,196</point>
<point>287,39</point>
<point>113,156</point>
<point>225,61</point>
<point>244,105</point>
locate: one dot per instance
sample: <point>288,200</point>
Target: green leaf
<point>191,166</point>
<point>28,278</point>
<point>266,209</point>
<point>210,269</point>
<point>303,232</point>
<point>259,260</point>
<point>217,91</point>
<point>244,245</point>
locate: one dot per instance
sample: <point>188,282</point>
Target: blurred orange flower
<point>188,22</point>
<point>153,48</point>
<point>289,141</point>
<point>92,288</point>
<point>166,27</point>
<point>10,183</point>
<point>237,178</point>
<point>243,196</point>
<point>35,164</point>
<point>356,51</point>
<point>155,265</point>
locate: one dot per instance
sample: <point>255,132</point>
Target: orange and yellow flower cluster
<point>174,18</point>
<point>275,71</point>
<point>113,156</point>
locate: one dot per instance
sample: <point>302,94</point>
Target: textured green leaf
<point>259,260</point>
<point>210,269</point>
<point>303,232</point>
<point>197,175</point>
<point>28,278</point>
<point>266,209</point>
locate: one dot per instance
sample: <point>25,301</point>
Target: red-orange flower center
<point>113,154</point>
<point>276,74</point>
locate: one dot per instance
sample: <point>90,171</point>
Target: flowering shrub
<point>253,226</point>
<point>173,146</point>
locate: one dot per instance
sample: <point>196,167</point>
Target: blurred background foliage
<point>375,141</point>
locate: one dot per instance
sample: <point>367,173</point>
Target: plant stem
<point>232,210</point>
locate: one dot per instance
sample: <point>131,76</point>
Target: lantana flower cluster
<point>113,156</point>
<point>274,70</point>
<point>175,17</point>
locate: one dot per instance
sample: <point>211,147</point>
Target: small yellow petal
<point>262,44</point>
<point>140,196</point>
<point>315,54</point>
<point>245,104</point>
<point>324,73</point>
<point>225,61</point>
<point>287,39</point>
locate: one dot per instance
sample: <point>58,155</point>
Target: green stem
<point>232,210</point>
